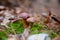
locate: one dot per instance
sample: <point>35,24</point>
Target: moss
<point>36,29</point>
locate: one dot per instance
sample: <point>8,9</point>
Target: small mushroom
<point>24,16</point>
<point>31,21</point>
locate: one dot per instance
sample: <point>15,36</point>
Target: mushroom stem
<point>25,23</point>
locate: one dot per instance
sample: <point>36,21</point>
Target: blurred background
<point>47,13</point>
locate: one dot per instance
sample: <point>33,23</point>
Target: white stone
<point>39,37</point>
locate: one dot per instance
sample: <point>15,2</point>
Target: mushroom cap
<point>32,19</point>
<point>24,15</point>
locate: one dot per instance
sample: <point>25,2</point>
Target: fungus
<point>31,21</point>
<point>24,16</point>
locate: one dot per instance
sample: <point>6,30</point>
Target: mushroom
<point>24,16</point>
<point>31,20</point>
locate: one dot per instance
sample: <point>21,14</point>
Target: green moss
<point>3,35</point>
<point>36,29</point>
<point>16,26</point>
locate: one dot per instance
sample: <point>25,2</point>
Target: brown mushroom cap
<point>24,15</point>
<point>32,19</point>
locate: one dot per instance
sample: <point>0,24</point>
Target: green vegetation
<point>18,29</point>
